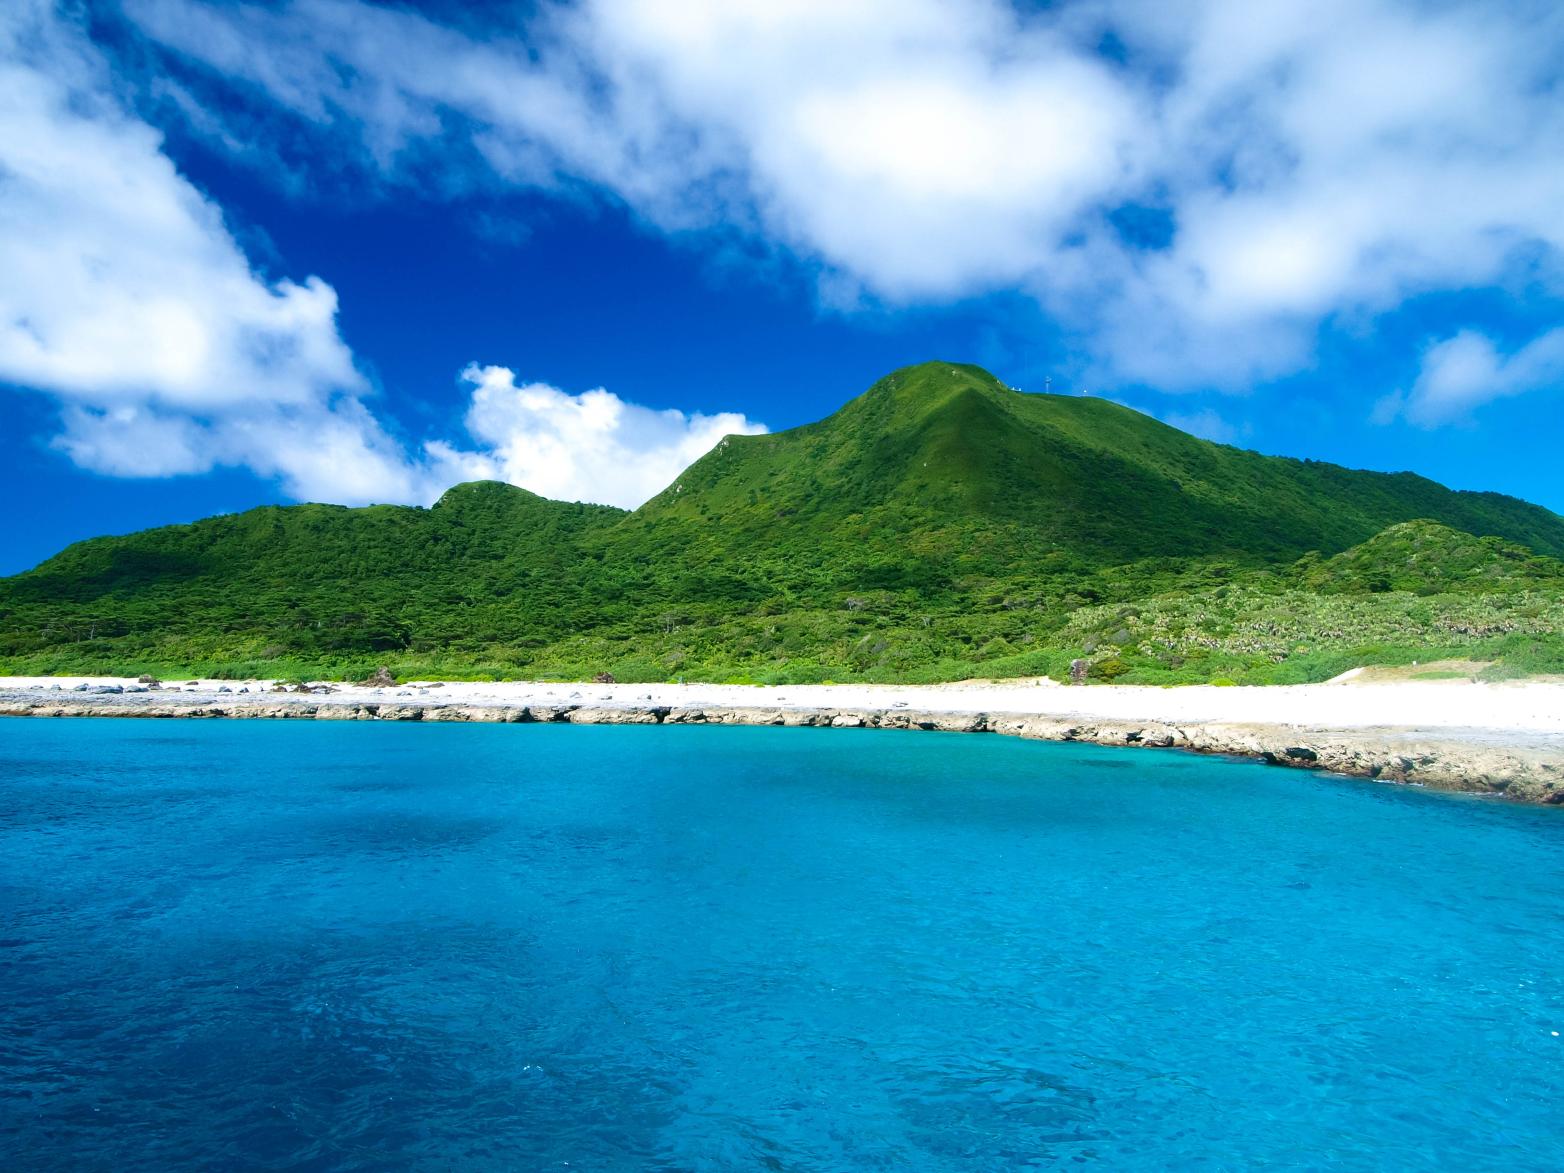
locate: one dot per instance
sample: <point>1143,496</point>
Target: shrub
<point>1109,670</point>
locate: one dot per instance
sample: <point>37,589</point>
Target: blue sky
<point>329,250</point>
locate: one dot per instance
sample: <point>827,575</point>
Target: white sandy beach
<point>1526,712</point>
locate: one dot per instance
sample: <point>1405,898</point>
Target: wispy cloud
<point>1308,160</point>
<point>1462,373</point>
<point>1208,423</point>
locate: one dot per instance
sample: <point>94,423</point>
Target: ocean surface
<point>291,945</point>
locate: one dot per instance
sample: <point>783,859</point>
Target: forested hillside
<point>940,525</point>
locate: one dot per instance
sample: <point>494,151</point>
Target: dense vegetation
<point>939,526</point>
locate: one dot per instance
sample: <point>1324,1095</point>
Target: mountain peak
<point>947,447</point>
<point>929,383</point>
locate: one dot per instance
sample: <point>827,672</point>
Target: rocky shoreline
<point>1479,764</point>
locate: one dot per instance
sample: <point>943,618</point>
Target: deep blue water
<point>338,946</point>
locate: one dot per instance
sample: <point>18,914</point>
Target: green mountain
<point>939,525</point>
<point>950,445</point>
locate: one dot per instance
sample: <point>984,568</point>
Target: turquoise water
<point>338,946</point>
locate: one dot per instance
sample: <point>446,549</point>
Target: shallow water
<point>340,946</point>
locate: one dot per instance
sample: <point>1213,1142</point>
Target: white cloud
<point>124,295</point>
<point>593,446</point>
<point>1466,371</point>
<point>1335,159</point>
<point>588,447</point>
<point>1316,163</point>
<point>335,452</point>
<point>1317,159</point>
<point>118,280</point>
<point>133,441</point>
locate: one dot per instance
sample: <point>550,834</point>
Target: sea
<point>305,945</point>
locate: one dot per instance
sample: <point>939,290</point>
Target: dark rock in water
<point>103,688</point>
<point>381,678</point>
<point>604,678</point>
<point>1079,670</point>
<point>149,680</point>
<point>224,688</point>
<point>82,687</point>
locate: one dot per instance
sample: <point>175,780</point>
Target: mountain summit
<point>942,444</point>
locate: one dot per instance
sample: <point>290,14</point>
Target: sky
<point>338,251</point>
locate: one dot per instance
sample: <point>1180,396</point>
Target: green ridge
<point>952,446</point>
<point>939,525</point>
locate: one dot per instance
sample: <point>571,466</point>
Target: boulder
<point>380,678</point>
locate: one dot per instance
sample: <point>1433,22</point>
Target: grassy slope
<point>939,525</point>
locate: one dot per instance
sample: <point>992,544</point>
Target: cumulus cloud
<point>124,295</point>
<point>588,447</point>
<point>1313,161</point>
<point>1466,371</point>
